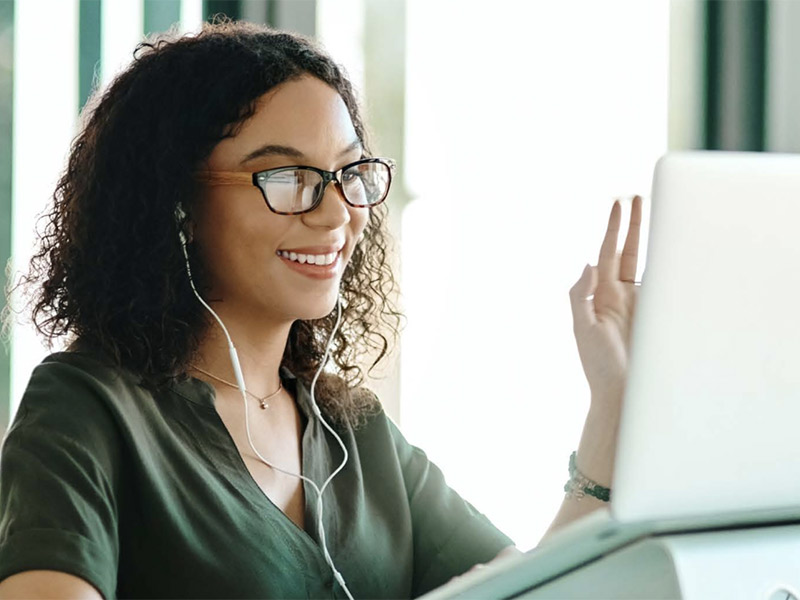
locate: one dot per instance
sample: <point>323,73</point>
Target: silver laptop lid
<point>711,421</point>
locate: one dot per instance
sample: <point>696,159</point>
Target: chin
<point>319,309</point>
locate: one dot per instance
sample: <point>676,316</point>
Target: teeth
<point>311,259</point>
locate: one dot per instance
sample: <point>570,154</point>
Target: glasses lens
<point>293,190</point>
<point>366,184</point>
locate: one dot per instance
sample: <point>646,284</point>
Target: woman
<point>153,460</point>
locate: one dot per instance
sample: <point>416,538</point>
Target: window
<point>524,121</point>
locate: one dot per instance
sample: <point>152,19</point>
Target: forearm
<point>595,459</point>
<point>47,584</point>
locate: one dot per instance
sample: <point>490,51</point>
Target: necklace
<point>262,401</point>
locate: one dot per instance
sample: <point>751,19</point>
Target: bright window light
<point>122,26</point>
<point>340,29</point>
<point>191,15</point>
<point>525,120</point>
<point>45,112</point>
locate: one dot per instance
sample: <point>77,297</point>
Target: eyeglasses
<point>298,189</point>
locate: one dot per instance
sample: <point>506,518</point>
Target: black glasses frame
<point>327,177</point>
<point>259,177</point>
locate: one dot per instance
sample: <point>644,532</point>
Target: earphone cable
<point>315,408</point>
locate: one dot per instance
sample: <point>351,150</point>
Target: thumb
<point>583,315</point>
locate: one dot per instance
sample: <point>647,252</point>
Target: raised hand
<point>603,302</point>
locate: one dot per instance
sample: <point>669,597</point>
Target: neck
<point>259,347</point>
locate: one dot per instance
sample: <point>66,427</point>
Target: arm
<point>53,585</point>
<point>59,481</point>
<point>603,302</point>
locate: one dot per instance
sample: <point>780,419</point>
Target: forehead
<point>305,113</point>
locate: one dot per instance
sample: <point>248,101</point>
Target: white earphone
<point>180,217</point>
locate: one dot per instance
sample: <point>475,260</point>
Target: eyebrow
<point>279,150</point>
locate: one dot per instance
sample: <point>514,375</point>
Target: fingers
<point>630,252</point>
<point>583,315</point>
<point>608,265</point>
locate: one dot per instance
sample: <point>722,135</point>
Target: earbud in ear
<point>184,226</point>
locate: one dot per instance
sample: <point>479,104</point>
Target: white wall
<point>524,121</point>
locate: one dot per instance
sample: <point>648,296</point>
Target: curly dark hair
<point>109,270</point>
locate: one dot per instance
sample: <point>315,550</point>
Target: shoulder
<point>376,432</point>
<point>83,370</point>
<point>69,400</point>
<point>75,381</point>
<point>82,375</point>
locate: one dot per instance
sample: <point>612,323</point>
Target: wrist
<point>598,445</point>
<point>579,485</point>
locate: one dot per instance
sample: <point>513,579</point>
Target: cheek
<point>358,220</point>
<point>358,224</point>
<point>232,232</point>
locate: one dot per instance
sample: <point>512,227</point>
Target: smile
<point>310,259</point>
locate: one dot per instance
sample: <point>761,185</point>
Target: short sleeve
<point>59,468</point>
<point>450,535</point>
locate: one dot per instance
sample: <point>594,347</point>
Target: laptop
<point>710,425</point>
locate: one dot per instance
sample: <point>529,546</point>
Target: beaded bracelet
<point>579,485</point>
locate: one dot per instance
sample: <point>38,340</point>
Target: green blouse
<point>147,496</point>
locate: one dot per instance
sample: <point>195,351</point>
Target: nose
<point>332,211</point>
